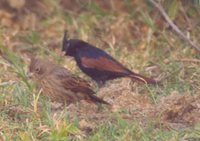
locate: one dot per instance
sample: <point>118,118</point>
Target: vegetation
<point>132,31</point>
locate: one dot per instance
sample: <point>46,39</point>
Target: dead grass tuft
<point>180,108</point>
<point>173,111</point>
<point>121,96</point>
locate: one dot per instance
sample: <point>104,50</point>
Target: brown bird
<point>59,84</point>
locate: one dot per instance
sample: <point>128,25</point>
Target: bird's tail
<point>143,79</point>
<point>96,99</point>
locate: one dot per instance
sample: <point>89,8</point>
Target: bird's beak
<point>29,75</point>
<point>63,53</point>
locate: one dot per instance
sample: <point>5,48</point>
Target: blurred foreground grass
<point>133,37</point>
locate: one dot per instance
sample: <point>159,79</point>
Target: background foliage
<point>132,31</point>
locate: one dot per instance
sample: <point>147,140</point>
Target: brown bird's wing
<point>81,88</point>
<point>77,84</point>
<point>72,82</point>
<point>103,64</point>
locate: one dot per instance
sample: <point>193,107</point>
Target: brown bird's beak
<point>63,53</point>
<point>29,75</point>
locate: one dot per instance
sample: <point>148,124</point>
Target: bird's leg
<point>99,107</point>
<point>100,84</point>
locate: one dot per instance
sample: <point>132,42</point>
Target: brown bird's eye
<point>37,70</point>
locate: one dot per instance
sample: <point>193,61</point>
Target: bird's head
<point>71,46</point>
<point>37,68</point>
<point>68,47</point>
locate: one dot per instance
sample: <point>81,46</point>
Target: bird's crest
<point>65,40</point>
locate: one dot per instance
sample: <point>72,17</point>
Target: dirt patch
<point>180,108</point>
<point>173,111</point>
<point>121,96</point>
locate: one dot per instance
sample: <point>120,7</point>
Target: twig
<point>7,83</point>
<point>189,60</point>
<point>174,27</point>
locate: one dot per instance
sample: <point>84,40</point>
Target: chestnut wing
<point>103,64</point>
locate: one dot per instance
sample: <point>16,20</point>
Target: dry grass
<point>135,36</point>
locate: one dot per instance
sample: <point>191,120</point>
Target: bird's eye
<point>37,70</point>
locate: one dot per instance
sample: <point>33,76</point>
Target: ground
<point>134,33</point>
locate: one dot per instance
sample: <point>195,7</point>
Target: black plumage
<point>98,64</point>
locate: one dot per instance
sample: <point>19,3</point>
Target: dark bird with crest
<point>98,64</point>
<point>59,84</point>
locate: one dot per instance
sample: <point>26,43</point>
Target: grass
<point>134,132</point>
<point>26,115</point>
